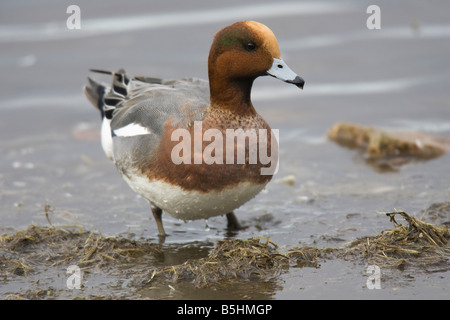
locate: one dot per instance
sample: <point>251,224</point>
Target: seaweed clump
<point>35,250</point>
<point>387,151</point>
<point>418,244</point>
<point>239,259</point>
<point>26,250</point>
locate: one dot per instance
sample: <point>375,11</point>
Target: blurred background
<point>396,77</point>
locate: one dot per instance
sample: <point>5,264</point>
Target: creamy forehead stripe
<point>269,39</point>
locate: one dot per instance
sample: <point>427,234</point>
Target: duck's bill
<point>280,70</point>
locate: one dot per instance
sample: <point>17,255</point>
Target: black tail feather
<point>106,98</point>
<point>95,92</point>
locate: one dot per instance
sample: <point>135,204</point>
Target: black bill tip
<point>299,82</point>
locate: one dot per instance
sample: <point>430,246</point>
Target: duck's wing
<point>140,107</point>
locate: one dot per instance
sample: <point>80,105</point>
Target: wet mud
<point>243,268</point>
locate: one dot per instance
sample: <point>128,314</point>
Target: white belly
<point>192,205</point>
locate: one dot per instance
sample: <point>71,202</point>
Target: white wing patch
<point>132,130</point>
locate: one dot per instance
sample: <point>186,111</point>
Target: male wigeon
<point>145,121</point>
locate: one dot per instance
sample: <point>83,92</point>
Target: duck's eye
<point>251,46</point>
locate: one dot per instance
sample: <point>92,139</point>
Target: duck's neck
<point>231,94</point>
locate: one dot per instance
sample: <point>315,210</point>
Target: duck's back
<point>138,108</point>
<point>151,105</point>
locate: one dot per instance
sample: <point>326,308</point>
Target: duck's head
<point>244,51</point>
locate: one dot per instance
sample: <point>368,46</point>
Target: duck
<point>170,139</point>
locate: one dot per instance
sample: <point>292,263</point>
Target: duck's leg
<point>233,222</point>
<point>157,213</point>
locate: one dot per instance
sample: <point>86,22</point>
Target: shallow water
<point>394,78</point>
